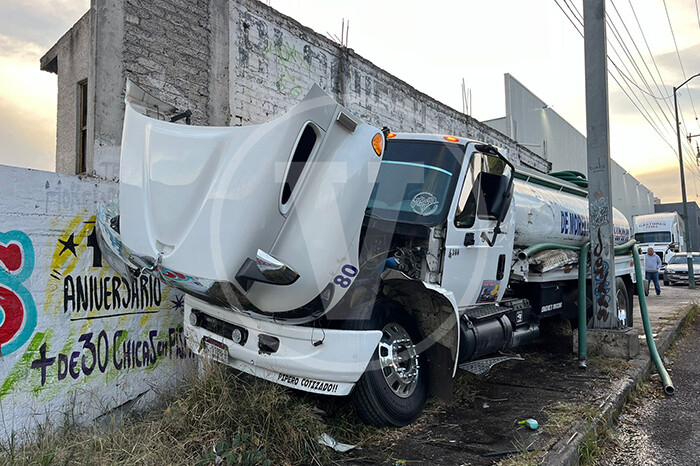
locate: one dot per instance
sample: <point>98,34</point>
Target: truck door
<point>477,261</point>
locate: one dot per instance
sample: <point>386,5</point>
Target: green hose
<point>669,389</point>
<point>582,315</point>
<point>582,268</point>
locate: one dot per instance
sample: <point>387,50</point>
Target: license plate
<point>216,350</point>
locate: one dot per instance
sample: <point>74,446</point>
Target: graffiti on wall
<point>289,57</point>
<point>17,307</point>
<point>94,325</point>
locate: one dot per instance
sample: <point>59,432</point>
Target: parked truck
<point>663,231</point>
<point>329,256</point>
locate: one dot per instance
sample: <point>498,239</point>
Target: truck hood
<point>223,214</point>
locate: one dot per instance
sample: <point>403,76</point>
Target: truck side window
<point>483,192</point>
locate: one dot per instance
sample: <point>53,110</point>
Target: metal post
<point>688,248</point>
<point>605,315</point>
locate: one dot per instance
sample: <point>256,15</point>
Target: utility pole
<point>688,249</point>
<point>605,313</point>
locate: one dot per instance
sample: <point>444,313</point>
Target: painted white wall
<point>61,303</point>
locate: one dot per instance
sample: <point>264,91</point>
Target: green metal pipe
<point>669,389</point>
<point>582,315</point>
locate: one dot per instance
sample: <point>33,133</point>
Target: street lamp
<point>689,255</point>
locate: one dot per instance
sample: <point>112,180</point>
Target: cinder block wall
<point>75,338</point>
<point>241,62</point>
<point>274,60</point>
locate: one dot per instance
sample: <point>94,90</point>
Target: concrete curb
<point>566,450</point>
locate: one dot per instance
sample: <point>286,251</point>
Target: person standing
<point>652,264</point>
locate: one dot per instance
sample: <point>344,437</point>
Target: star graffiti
<point>178,302</point>
<point>69,245</point>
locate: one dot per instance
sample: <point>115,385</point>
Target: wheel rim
<point>398,360</point>
<point>621,301</point>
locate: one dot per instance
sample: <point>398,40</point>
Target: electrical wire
<point>636,101</point>
<point>678,54</point>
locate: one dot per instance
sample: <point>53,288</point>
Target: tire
<point>383,397</point>
<point>667,283</point>
<point>623,298</point>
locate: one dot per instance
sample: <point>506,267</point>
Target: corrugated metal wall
<point>530,122</point>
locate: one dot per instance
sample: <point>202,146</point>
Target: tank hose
<point>666,381</point>
<point>571,176</point>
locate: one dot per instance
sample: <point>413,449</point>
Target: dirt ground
<point>483,417</point>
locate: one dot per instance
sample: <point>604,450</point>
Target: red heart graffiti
<point>13,308</point>
<point>11,257</point>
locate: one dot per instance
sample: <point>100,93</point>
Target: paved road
<point>659,430</point>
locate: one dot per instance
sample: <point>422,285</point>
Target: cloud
<point>665,183</point>
<point>41,22</point>
<point>27,106</point>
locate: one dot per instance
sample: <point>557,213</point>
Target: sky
<point>433,46</point>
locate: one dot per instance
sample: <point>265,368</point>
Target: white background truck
<point>331,257</point>
<point>663,231</point>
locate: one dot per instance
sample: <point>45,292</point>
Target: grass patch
<point>595,444</point>
<point>608,367</point>
<point>250,421</point>
<point>561,415</point>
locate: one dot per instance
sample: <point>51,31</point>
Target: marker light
<point>391,135</point>
<point>377,142</point>
<point>451,139</point>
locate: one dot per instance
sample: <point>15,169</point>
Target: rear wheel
<point>393,389</point>
<point>623,299</point>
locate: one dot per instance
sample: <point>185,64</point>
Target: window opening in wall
<point>81,162</point>
<point>302,152</point>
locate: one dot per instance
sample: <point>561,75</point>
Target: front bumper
<point>679,279</point>
<point>314,360</point>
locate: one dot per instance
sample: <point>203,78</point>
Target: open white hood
<point>216,211</point>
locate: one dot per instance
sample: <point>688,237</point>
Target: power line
<point>651,55</point>
<point>679,57</point>
<point>640,107</point>
<point>633,61</point>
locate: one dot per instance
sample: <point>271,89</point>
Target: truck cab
<point>662,231</point>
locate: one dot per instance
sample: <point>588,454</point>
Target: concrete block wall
<point>274,61</point>
<point>75,338</point>
<point>241,62</point>
<point>167,51</point>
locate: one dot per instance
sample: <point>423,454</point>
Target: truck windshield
<point>653,237</point>
<point>416,181</point>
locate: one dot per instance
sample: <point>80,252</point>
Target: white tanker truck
<point>325,255</point>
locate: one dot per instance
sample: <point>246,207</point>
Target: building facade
<point>231,62</point>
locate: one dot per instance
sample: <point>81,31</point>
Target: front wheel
<point>393,389</point>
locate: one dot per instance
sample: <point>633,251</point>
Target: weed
<point>564,414</point>
<point>609,367</point>
<point>238,418</point>
<point>595,444</point>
